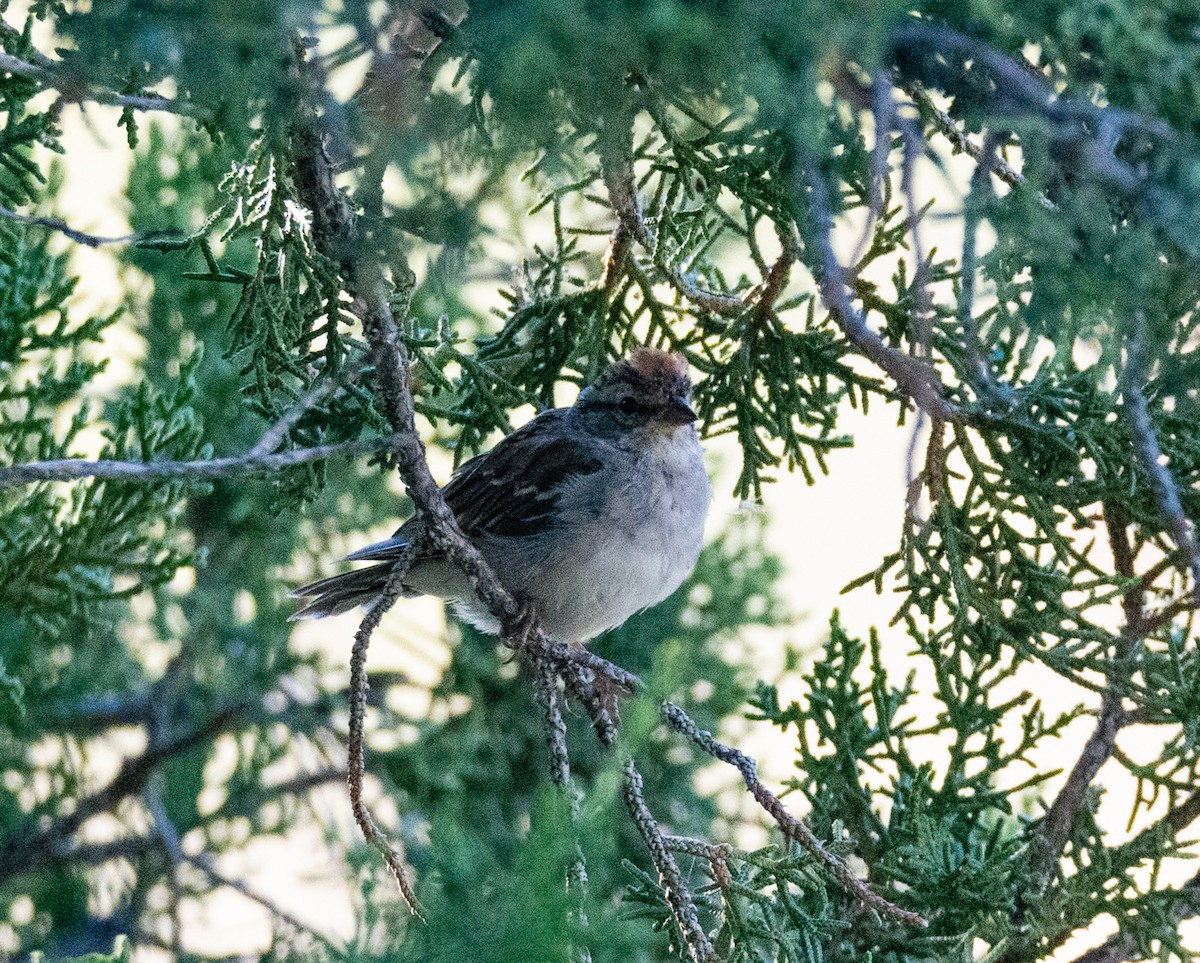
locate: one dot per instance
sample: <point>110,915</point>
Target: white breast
<point>635,537</point>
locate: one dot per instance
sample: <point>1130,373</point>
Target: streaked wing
<point>513,489</point>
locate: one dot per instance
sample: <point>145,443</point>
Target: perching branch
<point>336,232</point>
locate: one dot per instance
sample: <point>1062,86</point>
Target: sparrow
<point>588,514</point>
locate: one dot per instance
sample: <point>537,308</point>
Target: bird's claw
<point>519,626</point>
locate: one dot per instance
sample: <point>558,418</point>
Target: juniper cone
<point>589,513</point>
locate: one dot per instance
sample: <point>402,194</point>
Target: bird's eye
<point>628,406</point>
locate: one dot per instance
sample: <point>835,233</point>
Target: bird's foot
<point>518,627</point>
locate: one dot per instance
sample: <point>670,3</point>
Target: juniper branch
<point>675,887</point>
<point>24,851</point>
<point>1124,946</point>
<point>616,163</point>
<point>991,162</point>
<point>792,828</point>
<point>1055,827</point>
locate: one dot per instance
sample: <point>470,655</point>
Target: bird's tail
<point>341,593</point>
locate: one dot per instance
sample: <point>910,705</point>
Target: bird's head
<point>649,393</point>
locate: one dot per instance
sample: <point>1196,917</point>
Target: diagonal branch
<point>792,828</point>
<point>1145,442</point>
<point>1055,827</point>
<point>24,851</point>
<point>914,376</point>
<point>1124,946</point>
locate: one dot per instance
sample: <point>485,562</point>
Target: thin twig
<point>25,851</point>
<point>883,112</point>
<point>206,865</point>
<point>393,855</point>
<point>273,437</point>
<point>616,163</point>
<point>55,75</point>
<point>1123,947</point>
<point>82,237</point>
<point>991,163</point>
<point>979,373</point>
<point>1145,442</point>
<point>237,466</point>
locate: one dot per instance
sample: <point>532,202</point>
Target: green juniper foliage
<point>978,221</point>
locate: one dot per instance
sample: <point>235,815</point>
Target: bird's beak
<point>677,411</point>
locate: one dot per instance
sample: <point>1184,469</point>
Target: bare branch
<point>75,469</point>
<point>207,866</point>
<point>26,850</point>
<point>792,828</point>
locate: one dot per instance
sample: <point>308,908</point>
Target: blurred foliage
<point>145,622</point>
